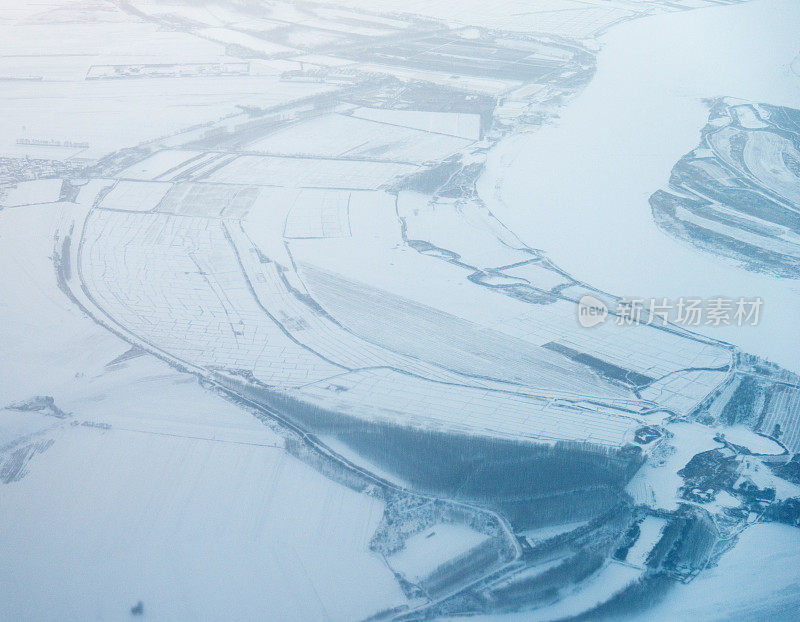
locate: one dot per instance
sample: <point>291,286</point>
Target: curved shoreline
<point>617,142</point>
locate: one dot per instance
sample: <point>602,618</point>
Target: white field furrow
<point>309,172</point>
<point>175,282</point>
<point>337,135</point>
<point>404,400</point>
<point>448,341</point>
<point>782,409</point>
<point>788,246</point>
<point>763,156</point>
<point>319,333</point>
<point>643,349</point>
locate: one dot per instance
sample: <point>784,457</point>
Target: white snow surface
<point>429,549</point>
<point>657,482</point>
<point>757,444</point>
<point>153,488</point>
<point>579,189</point>
<point>759,579</point>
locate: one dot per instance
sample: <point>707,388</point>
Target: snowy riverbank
<point>579,189</point>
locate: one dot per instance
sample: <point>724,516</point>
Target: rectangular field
<point>309,172</point>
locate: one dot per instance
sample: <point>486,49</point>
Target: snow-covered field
<point>424,551</point>
<point>188,525</point>
<point>285,330</point>
<point>152,488</point>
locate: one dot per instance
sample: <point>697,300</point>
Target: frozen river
<point>579,189</point>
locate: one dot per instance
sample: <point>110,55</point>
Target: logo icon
<point>591,311</point>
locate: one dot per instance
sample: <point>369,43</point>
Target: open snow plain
<point>290,329</point>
